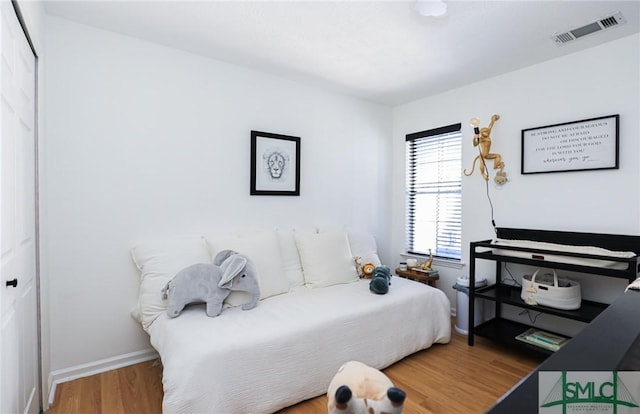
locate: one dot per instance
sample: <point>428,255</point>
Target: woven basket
<point>546,291</point>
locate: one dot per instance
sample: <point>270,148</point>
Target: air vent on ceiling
<point>606,22</point>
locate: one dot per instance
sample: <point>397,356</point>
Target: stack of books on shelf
<point>543,339</point>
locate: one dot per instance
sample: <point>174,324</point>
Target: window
<point>434,192</point>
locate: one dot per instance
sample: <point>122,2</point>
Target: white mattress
<point>591,250</point>
<point>289,347</point>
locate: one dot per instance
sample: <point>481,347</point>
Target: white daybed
<point>288,348</point>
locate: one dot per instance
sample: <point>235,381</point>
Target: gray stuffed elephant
<point>212,283</point>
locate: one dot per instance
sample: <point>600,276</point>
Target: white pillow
<point>326,258</point>
<point>364,245</point>
<point>290,259</point>
<point>264,250</point>
<point>158,262</point>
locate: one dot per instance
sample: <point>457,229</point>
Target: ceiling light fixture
<point>434,8</point>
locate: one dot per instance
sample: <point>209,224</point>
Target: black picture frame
<point>588,144</point>
<point>275,164</point>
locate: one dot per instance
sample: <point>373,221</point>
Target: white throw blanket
<point>289,347</point>
<point>635,285</point>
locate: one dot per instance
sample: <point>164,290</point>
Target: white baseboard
<point>97,367</point>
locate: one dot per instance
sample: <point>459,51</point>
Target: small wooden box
<point>428,278</point>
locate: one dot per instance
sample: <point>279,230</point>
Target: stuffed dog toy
<point>359,389</point>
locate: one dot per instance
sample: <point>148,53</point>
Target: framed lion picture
<point>275,164</point>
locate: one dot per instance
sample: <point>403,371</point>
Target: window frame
<point>437,138</point>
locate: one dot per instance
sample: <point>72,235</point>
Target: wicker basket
<point>547,290</point>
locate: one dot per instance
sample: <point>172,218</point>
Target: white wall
<point>145,141</point>
<point>596,82</point>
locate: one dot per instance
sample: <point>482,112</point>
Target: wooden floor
<point>452,378</point>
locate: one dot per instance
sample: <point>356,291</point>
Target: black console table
<point>610,342</point>
<point>504,330</point>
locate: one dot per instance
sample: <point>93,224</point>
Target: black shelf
<point>505,331</point>
<point>511,296</point>
<point>611,342</point>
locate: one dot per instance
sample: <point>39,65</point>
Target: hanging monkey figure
<point>484,140</point>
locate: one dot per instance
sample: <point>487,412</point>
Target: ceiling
<point>382,51</point>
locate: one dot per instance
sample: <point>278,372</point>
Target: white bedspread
<point>288,348</point>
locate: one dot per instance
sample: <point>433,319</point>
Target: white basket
<point>553,296</point>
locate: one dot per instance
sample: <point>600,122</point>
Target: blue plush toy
<point>380,280</point>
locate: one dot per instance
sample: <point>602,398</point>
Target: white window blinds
<point>434,192</point>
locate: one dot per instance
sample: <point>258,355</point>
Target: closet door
<point>19,381</point>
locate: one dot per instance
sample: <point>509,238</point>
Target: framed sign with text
<point>590,144</point>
